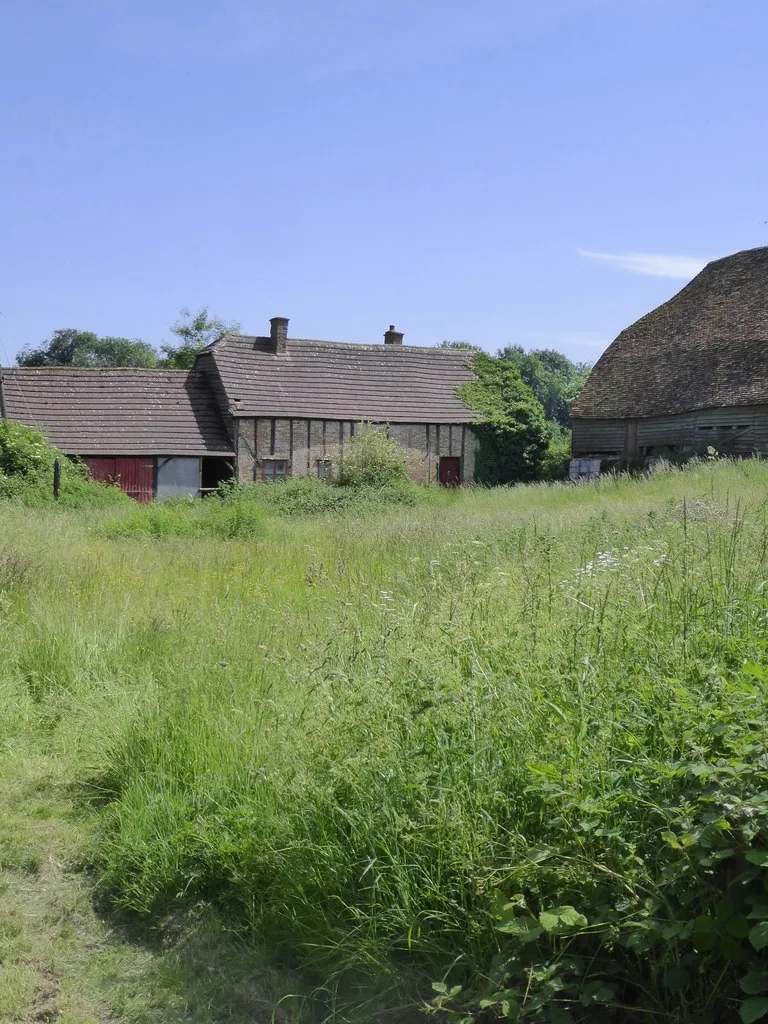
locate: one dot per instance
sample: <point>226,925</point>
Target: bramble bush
<point>26,473</point>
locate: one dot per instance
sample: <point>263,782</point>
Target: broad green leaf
<point>758,913</point>
<point>758,936</point>
<point>753,1009</point>
<point>676,978</point>
<point>538,854</point>
<point>759,857</point>
<point>724,909</point>
<point>738,926</point>
<point>703,934</point>
<point>596,992</point>
<point>561,919</point>
<point>754,983</point>
<point>525,928</point>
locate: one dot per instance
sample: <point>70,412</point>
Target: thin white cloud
<point>653,264</point>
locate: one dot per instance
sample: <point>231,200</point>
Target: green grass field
<point>341,764</point>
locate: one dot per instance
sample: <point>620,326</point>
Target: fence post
<point>56,478</point>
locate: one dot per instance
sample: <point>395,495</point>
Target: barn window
<point>274,469</point>
<point>323,468</point>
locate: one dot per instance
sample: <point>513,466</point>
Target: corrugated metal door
<point>101,469</point>
<point>133,474</point>
<point>178,475</point>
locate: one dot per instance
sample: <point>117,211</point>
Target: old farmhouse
<point>690,375</point>
<point>258,408</point>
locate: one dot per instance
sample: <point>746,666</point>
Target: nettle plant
<point>667,918</point>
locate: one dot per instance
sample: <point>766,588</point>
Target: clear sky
<point>538,172</point>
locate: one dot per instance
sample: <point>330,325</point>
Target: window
<point>274,469</point>
<point>323,468</point>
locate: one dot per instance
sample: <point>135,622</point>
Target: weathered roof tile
<point>117,411</point>
<point>338,380</point>
<point>707,347</point>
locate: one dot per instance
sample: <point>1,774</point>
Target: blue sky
<point>538,172</point>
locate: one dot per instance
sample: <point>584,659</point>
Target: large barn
<point>690,375</point>
<point>259,408</point>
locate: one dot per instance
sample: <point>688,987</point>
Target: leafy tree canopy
<point>70,347</point>
<point>194,332</point>
<point>460,345</point>
<point>553,378</point>
<point>511,427</point>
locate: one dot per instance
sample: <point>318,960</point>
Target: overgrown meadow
<point>485,754</point>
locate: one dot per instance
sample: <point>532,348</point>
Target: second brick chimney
<point>393,337</point>
<point>278,332</point>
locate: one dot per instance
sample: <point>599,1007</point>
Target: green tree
<point>553,378</point>
<point>510,425</point>
<point>460,345</point>
<point>70,347</point>
<point>195,331</point>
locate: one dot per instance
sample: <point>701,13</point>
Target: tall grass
<point>515,742</point>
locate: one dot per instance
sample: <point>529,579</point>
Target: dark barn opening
<point>214,472</point>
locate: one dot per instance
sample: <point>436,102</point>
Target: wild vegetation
<point>26,473</point>
<point>498,753</point>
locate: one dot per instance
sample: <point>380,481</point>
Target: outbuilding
<point>690,375</point>
<point>155,433</point>
<point>259,408</point>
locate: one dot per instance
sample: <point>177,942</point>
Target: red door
<point>448,471</point>
<point>133,474</point>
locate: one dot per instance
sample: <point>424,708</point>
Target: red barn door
<point>448,471</point>
<point>133,474</point>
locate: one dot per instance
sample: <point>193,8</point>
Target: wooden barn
<point>259,408</point>
<point>155,433</point>
<point>690,375</point>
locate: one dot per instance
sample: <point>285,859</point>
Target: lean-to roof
<point>117,411</point>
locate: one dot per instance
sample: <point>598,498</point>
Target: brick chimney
<point>393,337</point>
<point>278,332</point>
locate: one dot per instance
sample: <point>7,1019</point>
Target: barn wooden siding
<point>305,444</point>
<point>737,430</point>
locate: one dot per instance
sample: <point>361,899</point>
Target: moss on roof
<point>707,347</point>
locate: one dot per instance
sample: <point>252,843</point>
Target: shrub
<point>554,464</point>
<point>24,451</point>
<point>26,473</point>
<point>370,459</point>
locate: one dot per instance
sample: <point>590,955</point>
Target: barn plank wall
<point>305,443</point>
<point>738,430</point>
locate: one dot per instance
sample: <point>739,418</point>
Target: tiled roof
<point>707,347</point>
<point>117,412</point>
<point>337,380</point>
